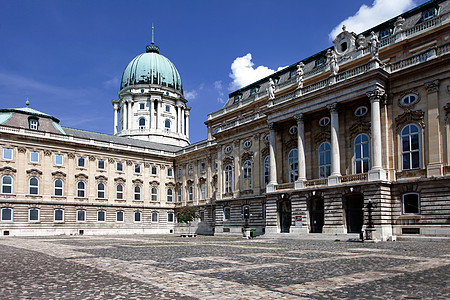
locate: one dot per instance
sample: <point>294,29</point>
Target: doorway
<point>354,213</point>
<point>285,215</point>
<point>316,215</point>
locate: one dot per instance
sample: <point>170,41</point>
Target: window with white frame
<point>100,164</point>
<point>7,214</point>
<point>179,172</point>
<point>266,170</point>
<point>8,154</point>
<point>58,187</point>
<point>137,193</point>
<point>101,215</point>
<point>137,168</point>
<point>7,184</point>
<point>33,124</point>
<point>154,217</point>
<point>81,189</point>
<point>154,170</point>
<point>428,14</point>
<point>411,203</point>
<point>169,172</point>
<point>59,159</point>
<point>167,108</point>
<point>137,216</point>
<point>119,166</point>
<point>362,153</point>
<point>190,170</point>
<point>34,157</point>
<point>119,216</point>
<point>141,123</point>
<point>226,213</point>
<point>167,125</point>
<point>154,194</point>
<point>81,215</point>
<point>190,193</point>
<point>169,195</point>
<point>141,106</point>
<point>179,195</point>
<point>33,214</point>
<point>170,217</point>
<point>33,186</point>
<point>81,162</point>
<point>119,192</point>
<point>58,215</point>
<point>247,175</point>
<point>100,190</point>
<point>293,165</point>
<point>245,212</point>
<point>228,179</point>
<point>410,141</point>
<point>324,160</point>
<point>202,191</point>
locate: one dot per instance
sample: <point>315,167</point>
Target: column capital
<point>376,95</point>
<point>333,107</point>
<point>299,117</point>
<point>432,86</point>
<point>271,125</point>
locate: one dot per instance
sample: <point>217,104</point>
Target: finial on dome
<point>344,28</point>
<point>152,47</point>
<point>28,102</point>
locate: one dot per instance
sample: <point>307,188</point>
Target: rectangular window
<point>154,217</point>
<point>141,106</point>
<point>169,172</point>
<point>119,216</point>
<point>227,213</point>
<point>119,166</point>
<point>7,214</point>
<point>154,170</point>
<point>167,108</point>
<point>202,191</point>
<point>81,162</point>
<point>411,204</point>
<point>202,167</point>
<point>137,168</point>
<point>59,159</point>
<point>137,216</point>
<point>8,154</point>
<point>170,217</point>
<point>34,157</point>
<point>179,195</point>
<point>100,164</point>
<point>59,215</point>
<point>179,172</point>
<point>33,215</point>
<point>81,215</point>
<point>101,216</point>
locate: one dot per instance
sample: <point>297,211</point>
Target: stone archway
<point>316,214</point>
<point>354,212</point>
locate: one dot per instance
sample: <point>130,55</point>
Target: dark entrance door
<point>354,213</point>
<point>316,215</point>
<point>284,210</point>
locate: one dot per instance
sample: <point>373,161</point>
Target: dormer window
<point>254,90</point>
<point>320,62</point>
<point>237,98</point>
<point>292,74</point>
<point>344,46</point>
<point>428,14</point>
<point>384,33</point>
<point>33,123</point>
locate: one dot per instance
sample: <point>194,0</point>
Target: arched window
<point>58,215</point>
<point>100,190</point>
<point>7,184</point>
<point>141,123</point>
<point>137,193</point>
<point>190,193</point>
<point>101,216</point>
<point>167,124</point>
<point>137,216</point>
<point>410,136</point>
<point>58,188</point>
<point>81,189</point>
<point>247,175</point>
<point>266,170</point>
<point>119,192</point>
<point>324,160</point>
<point>362,153</point>
<point>154,194</point>
<point>34,214</point>
<point>179,195</point>
<point>202,191</point>
<point>119,216</point>
<point>228,179</point>
<point>293,165</point>
<point>169,195</point>
<point>154,217</point>
<point>33,186</point>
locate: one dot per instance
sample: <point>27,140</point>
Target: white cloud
<point>243,73</point>
<point>219,88</point>
<point>112,83</point>
<point>191,95</point>
<point>369,16</point>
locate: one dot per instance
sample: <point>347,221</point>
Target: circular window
<point>266,139</point>
<point>228,149</point>
<point>293,130</point>
<point>409,99</point>
<point>361,111</point>
<point>324,121</point>
<point>247,144</point>
<point>142,90</point>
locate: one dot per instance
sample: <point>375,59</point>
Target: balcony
<point>323,182</point>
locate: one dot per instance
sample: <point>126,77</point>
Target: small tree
<point>186,215</point>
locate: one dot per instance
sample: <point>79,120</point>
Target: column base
<point>333,179</point>
<point>377,175</point>
<point>334,229</point>
<point>434,170</point>
<point>299,185</point>
<point>270,188</point>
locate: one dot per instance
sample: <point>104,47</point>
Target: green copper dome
<point>151,68</point>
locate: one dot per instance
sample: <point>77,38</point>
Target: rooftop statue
<point>300,73</point>
<point>374,45</point>
<point>271,89</point>
<point>332,61</point>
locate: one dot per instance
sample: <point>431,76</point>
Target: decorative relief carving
<point>129,163</point>
<point>71,155</point>
<point>58,174</point>
<point>412,92</point>
<point>119,180</point>
<point>300,72</point>
<point>101,178</point>
<point>170,184</point>
<point>271,126</point>
<point>111,160</point>
<point>81,176</point>
<point>47,152</point>
<point>323,136</point>
<point>228,160</point>
<point>265,152</point>
<point>154,183</point>
<point>34,172</point>
<point>146,165</point>
<point>332,62</point>
<point>377,94</point>
<point>137,181</point>
<point>410,116</point>
<point>7,170</point>
<point>299,117</point>
<point>333,107</point>
<point>412,173</point>
<point>432,86</point>
<point>247,155</point>
<point>91,157</point>
<point>202,179</point>
<point>22,150</point>
<point>359,127</point>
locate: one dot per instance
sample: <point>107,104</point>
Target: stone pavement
<point>169,267</point>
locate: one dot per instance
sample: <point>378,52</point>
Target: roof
<point>28,111</point>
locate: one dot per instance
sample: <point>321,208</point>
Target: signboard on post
<point>298,221</point>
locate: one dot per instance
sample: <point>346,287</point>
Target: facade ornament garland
<point>432,86</point>
<point>410,116</point>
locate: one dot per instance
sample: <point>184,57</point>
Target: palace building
<point>355,137</point>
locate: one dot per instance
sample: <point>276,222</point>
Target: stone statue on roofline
<point>271,89</point>
<point>332,61</point>
<point>300,73</point>
<point>374,45</point>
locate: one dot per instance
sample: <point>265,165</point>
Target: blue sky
<point>67,57</point>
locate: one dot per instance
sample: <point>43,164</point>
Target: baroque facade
<point>354,137</point>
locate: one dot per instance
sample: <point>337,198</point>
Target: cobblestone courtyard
<point>168,267</point>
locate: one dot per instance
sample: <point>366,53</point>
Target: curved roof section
<point>151,68</point>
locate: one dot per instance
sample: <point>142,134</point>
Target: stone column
<point>130,115</point>
<point>156,117</point>
<point>272,159</point>
<point>182,120</point>
<point>178,108</point>
<point>301,151</point>
<point>125,116</point>
<point>186,113</point>
<point>152,114</point>
<point>433,142</point>
<point>376,171</point>
<point>335,155</point>
<point>115,117</point>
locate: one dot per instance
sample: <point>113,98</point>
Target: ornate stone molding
<point>299,117</point>
<point>432,86</point>
<point>137,181</point>
<point>146,165</point>
<point>154,183</point>
<point>47,152</point>
<point>119,180</point>
<point>71,155</point>
<point>129,163</point>
<point>377,94</point>
<point>247,155</point>
<point>323,136</point>
<point>360,127</point>
<point>409,92</point>
<point>34,172</point>
<point>101,178</point>
<point>228,160</point>
<point>22,150</point>
<point>410,116</point>
<point>91,157</point>
<point>271,126</point>
<point>81,176</point>
<point>111,160</point>
<point>59,174</point>
<point>333,107</point>
<point>7,170</point>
